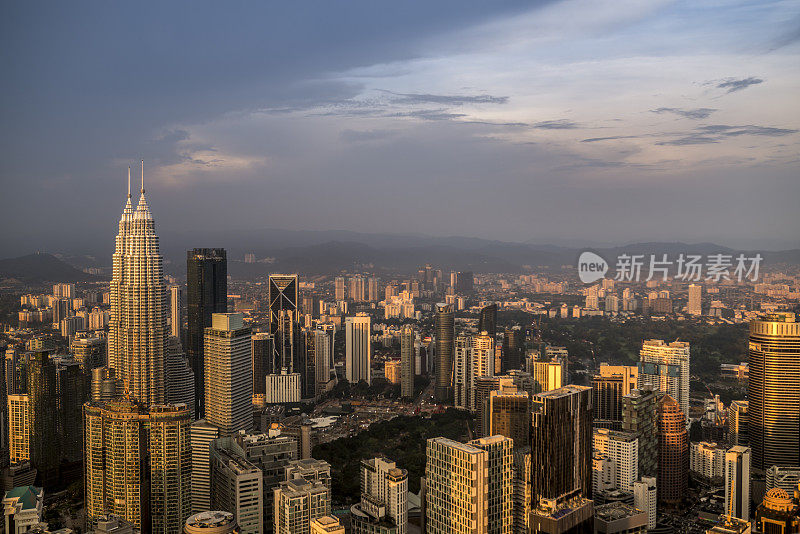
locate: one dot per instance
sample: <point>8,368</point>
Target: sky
<point>609,121</point>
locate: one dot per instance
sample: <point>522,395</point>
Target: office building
<point>43,416</point>
<point>607,399</point>
<point>282,388</point>
<point>779,513</point>
<point>297,503</point>
<point>23,509</point>
<point>773,391</point>
<point>665,367</point>
<point>623,449</point>
<point>737,482</point>
<point>673,452</point>
<point>484,385</point>
<point>179,376</point>
<point>323,357</point>
<point>408,340</point>
<point>522,488</point>
<point>176,312</point>
<point>639,417</point>
<point>561,443</point>
<point>228,376</point>
<point>509,415</point>
<point>474,358</point>
<point>358,349</point>
<point>444,351</point>
<point>137,464</point>
<point>695,305</point>
<point>202,434</point>
<point>283,321</point>
<point>513,349</point>
<point>71,391</point>
<point>645,498</point>
<point>500,482</point>
<point>310,470</point>
<point>548,375</point>
<point>263,354</point>
<point>137,335</point>
<point>786,478</point>
<point>105,385</point>
<point>206,294</point>
<point>383,508</point>
<point>89,350</point>
<point>487,321</point>
<point>237,485</point>
<point>737,423</point>
<point>19,430</point>
<point>212,522</point>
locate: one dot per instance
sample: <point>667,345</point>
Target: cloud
<point>696,113</point>
<point>609,138</point>
<point>734,131</point>
<point>359,136</point>
<point>429,114</point>
<point>690,140</point>
<point>560,124</point>
<point>451,100</point>
<point>737,84</point>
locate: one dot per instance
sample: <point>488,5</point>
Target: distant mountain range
<point>41,267</point>
<point>324,252</point>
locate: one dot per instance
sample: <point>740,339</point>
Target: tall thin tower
<point>137,337</point>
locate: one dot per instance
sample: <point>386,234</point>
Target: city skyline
<point>505,104</point>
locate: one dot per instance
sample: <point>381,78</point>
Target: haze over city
<point>563,122</point>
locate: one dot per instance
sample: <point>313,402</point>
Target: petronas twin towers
<point>137,339</point>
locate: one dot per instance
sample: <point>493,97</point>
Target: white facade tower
<point>137,337</point>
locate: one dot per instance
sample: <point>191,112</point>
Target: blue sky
<point>596,120</point>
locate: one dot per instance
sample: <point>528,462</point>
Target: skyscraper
<point>500,480</point>
<point>237,485</point>
<point>737,482</point>
<point>283,298</point>
<point>228,376</point>
<point>137,464</point>
<point>137,336</point>
<point>297,503</point>
<point>773,391</point>
<point>639,417</point>
<point>488,320</point>
<point>339,288</point>
<point>19,429</point>
<point>474,358</point>
<point>207,293</point>
<point>607,399</point>
<point>176,312</point>
<point>665,367</point>
<point>263,354</point>
<point>737,423</point>
<point>445,351</point>
<point>509,415</point>
<point>623,449</point>
<point>46,452</point>
<point>358,349</point>
<point>561,443</point>
<point>323,355</point>
<point>384,499</point>
<point>407,342</point>
<point>695,305</point>
<point>179,376</point>
<point>673,451</point>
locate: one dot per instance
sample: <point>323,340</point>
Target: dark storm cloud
<point>697,113</point>
<point>731,85</point>
<point>560,124</point>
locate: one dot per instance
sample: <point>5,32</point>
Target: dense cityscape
<point>400,267</point>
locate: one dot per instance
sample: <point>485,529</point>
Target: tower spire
<point>129,181</point>
<point>143,177</point>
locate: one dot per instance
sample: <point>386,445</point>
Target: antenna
<point>143,177</point>
<point>129,181</point>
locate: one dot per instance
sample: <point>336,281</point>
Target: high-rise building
<point>737,423</point>
<point>645,498</point>
<point>513,349</point>
<point>358,349</point>
<point>179,376</point>
<point>673,451</point>
<point>72,390</point>
<point>283,321</point>
<point>237,485</point>
<point>228,376</point>
<point>202,434</point>
<point>297,503</point>
<point>444,351</point>
<point>561,443</point>
<point>548,375</point>
<point>357,288</point>
<point>45,451</point>
<point>207,293</point>
<point>737,482</point>
<point>339,288</point>
<point>384,499</point>
<point>484,385</point>
<point>408,340</point>
<point>622,448</point>
<point>323,356</point>
<point>773,391</point>
<point>137,464</point>
<point>463,490</point>
<point>695,305</point>
<point>137,336</point>
<point>639,417</point>
<point>629,374</point>
<point>509,416</point>
<point>522,488</point>
<point>607,399</point>
<point>786,478</point>
<point>89,350</point>
<point>309,469</point>
<point>263,354</point>
<point>19,429</point>
<point>707,459</point>
<point>779,513</point>
<point>665,367</point>
<point>372,289</point>
<point>488,320</point>
<point>176,312</point>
